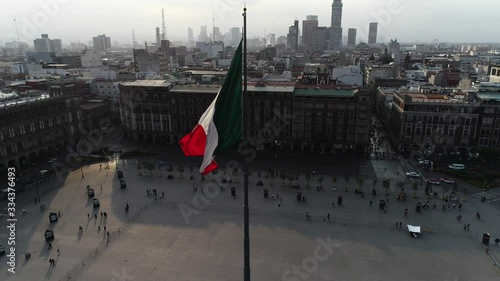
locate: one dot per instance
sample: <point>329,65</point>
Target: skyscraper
<point>101,43</point>
<point>308,27</point>
<point>190,37</point>
<point>372,33</point>
<point>235,35</point>
<point>203,37</point>
<point>351,37</point>
<point>158,37</point>
<point>292,38</point>
<point>336,27</point>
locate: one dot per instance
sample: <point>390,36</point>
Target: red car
<point>449,181</point>
<point>434,181</point>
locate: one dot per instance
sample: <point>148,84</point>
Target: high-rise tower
<point>336,27</point>
<point>372,33</point>
<point>308,27</point>
<point>163,26</point>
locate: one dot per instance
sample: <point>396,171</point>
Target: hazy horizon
<point>425,21</point>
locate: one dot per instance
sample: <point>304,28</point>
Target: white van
<point>457,166</point>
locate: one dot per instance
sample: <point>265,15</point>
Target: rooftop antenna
<point>18,40</point>
<point>163,26</point>
<point>213,26</point>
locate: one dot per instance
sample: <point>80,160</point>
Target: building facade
<point>35,128</point>
<point>145,61</point>
<point>299,117</point>
<point>351,37</point>
<point>452,123</point>
<point>308,27</point>
<point>102,43</point>
<point>372,33</point>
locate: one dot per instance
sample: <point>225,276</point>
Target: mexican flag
<point>221,125</point>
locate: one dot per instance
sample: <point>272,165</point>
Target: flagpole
<point>246,222</point>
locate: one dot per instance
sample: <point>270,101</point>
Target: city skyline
<point>409,22</point>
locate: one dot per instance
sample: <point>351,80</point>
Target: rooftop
<point>23,101</point>
<point>145,83</point>
<point>341,93</point>
<point>206,72</point>
<point>195,89</point>
<point>489,95</point>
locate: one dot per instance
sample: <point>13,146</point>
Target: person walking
<point>328,216</point>
<point>58,252</point>
<point>371,202</point>
<point>50,245</point>
<point>88,216</point>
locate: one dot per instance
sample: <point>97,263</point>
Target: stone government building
<point>39,125</point>
<point>324,117</point>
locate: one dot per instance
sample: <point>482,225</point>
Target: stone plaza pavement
<point>160,244</point>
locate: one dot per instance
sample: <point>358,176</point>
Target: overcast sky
<point>407,20</point>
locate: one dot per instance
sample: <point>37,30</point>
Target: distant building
<point>325,119</point>
<point>292,38</point>
<point>351,37</point>
<point>101,43</point>
<point>320,39</point>
<point>212,49</point>
<point>71,61</point>
<point>190,37</point>
<point>56,45</point>
<point>203,36</point>
<point>308,27</point>
<point>145,61</point>
<point>348,75</point>
<point>495,74</point>
<point>372,33</point>
<point>235,36</point>
<point>336,25</point>
<point>43,44</point>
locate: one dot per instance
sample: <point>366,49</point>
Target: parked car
<point>413,175</point>
<point>474,169</point>
<point>457,166</point>
<point>123,184</point>
<point>91,193</point>
<point>120,174</point>
<point>449,181</point>
<point>2,250</point>
<point>52,160</point>
<point>96,203</point>
<point>434,181</point>
<point>49,235</point>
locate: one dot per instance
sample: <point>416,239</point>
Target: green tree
<point>149,167</point>
<point>308,177</point>
<point>347,178</point>
<point>320,181</point>
<point>283,177</point>
<point>360,182</point>
<point>489,155</point>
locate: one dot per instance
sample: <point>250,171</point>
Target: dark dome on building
<point>385,58</point>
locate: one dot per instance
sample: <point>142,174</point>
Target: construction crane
<point>163,26</point>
